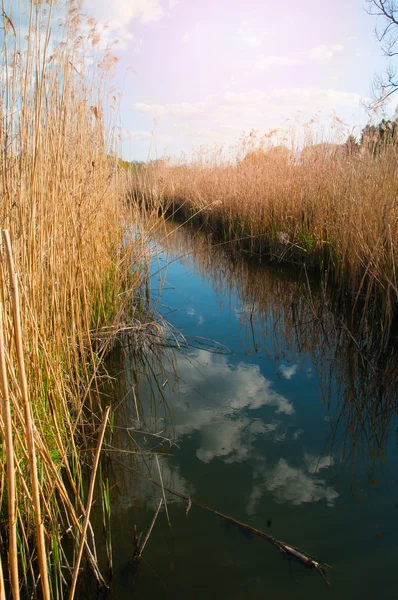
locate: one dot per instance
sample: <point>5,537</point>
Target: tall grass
<point>69,278</point>
<point>336,210</point>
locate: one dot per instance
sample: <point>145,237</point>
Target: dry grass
<point>78,271</point>
<point>335,211</point>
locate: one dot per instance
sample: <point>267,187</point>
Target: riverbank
<point>332,211</point>
<point>79,270</point>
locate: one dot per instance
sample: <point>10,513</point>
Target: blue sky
<point>208,70</point>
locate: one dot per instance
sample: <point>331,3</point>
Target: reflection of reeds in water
<point>141,415</point>
<point>335,211</point>
<point>358,373</point>
<point>136,439</point>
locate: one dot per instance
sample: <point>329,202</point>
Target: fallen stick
<point>304,558</point>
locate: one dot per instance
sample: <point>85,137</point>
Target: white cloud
<point>361,53</point>
<point>250,37</point>
<point>321,52</point>
<point>288,371</point>
<point>222,117</point>
<point>173,4</point>
<point>180,110</point>
<point>317,463</point>
<point>243,385</point>
<point>298,433</point>
<point>289,484</point>
<point>252,40</point>
<point>145,136</point>
<point>279,101</point>
<point>123,12</point>
<point>317,53</point>
<point>216,405</point>
<point>187,37</point>
<point>214,399</point>
<point>278,61</point>
<point>115,18</point>
<point>223,438</point>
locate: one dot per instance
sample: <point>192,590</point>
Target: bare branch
<point>384,8</point>
<point>386,12</point>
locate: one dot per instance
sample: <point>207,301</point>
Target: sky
<point>196,73</point>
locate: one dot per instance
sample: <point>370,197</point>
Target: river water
<point>265,403</point>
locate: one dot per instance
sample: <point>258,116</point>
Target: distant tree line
<point>137,165</point>
<point>377,137</point>
<point>373,140</point>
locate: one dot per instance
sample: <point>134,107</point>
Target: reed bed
<point>333,208</point>
<point>71,275</point>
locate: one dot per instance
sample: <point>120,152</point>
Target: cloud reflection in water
<point>217,399</point>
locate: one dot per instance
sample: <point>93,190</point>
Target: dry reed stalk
<point>89,505</point>
<point>63,201</point>
<point>11,485</point>
<point>70,511</point>
<point>29,427</point>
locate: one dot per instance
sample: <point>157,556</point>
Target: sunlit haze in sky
<point>201,72</point>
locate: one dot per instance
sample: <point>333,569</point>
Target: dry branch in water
<point>302,557</point>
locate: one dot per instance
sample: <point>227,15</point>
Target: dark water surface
<point>274,417</point>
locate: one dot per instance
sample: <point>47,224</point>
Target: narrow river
<point>269,411</point>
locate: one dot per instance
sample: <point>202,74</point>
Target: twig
<point>135,403</point>
<point>163,488</point>
<point>140,549</point>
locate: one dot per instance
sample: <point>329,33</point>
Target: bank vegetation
<point>73,265</point>
<point>332,207</point>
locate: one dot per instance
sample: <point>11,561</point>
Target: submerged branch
<point>303,557</point>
